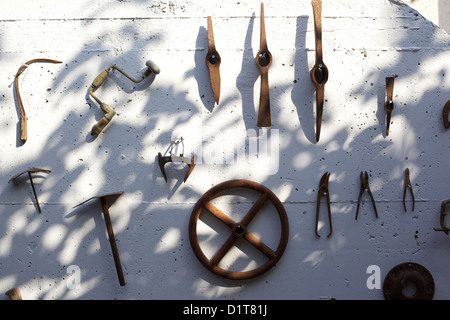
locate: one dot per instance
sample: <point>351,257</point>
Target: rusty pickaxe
<point>30,171</point>
<point>109,228</point>
<point>323,189</point>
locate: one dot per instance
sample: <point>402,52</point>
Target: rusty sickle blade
<point>23,116</point>
<point>213,63</point>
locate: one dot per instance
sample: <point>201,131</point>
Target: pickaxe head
<point>30,171</point>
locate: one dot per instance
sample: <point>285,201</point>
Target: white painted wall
<point>437,11</point>
<point>363,43</point>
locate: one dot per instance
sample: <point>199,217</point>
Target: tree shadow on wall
<point>39,248</point>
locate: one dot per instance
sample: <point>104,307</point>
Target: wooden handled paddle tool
<point>319,72</point>
<point>263,62</point>
<point>213,62</point>
<point>30,171</point>
<point>109,228</point>
<point>23,116</point>
<point>389,104</point>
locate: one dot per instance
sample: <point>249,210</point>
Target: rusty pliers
<point>323,189</point>
<point>365,186</point>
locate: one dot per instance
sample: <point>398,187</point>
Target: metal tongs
<point>162,160</point>
<point>364,178</point>
<point>323,190</point>
<point>319,72</point>
<point>263,62</point>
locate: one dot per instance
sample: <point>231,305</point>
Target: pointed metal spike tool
<point>30,171</point>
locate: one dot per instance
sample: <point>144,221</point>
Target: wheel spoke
<point>219,214</point>
<point>258,244</point>
<point>254,210</point>
<point>223,250</point>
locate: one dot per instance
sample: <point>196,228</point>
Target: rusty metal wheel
<point>239,230</point>
<point>405,274</point>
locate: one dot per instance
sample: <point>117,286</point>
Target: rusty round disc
<point>405,274</point>
<point>238,230</point>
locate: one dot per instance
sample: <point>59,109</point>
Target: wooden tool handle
<point>211,43</point>
<point>262,34</point>
<point>264,117</point>
<point>317,11</point>
<point>23,119</point>
<point>23,128</point>
<point>112,241</point>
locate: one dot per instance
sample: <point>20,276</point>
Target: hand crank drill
<point>109,228</point>
<point>101,78</point>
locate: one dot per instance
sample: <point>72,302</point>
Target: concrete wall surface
<point>437,11</point>
<point>64,252</point>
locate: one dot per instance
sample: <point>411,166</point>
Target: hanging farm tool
<point>319,72</point>
<point>101,78</point>
<point>23,116</point>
